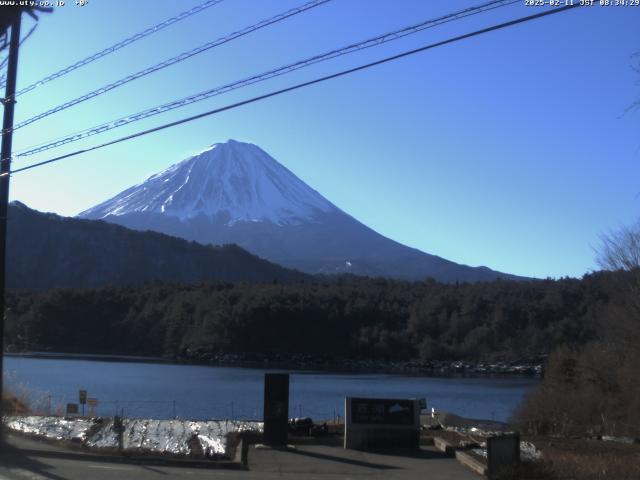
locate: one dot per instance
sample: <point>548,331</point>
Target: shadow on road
<point>421,454</point>
<point>14,458</point>
<point>350,461</point>
<point>154,470</point>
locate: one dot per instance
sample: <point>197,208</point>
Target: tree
<point>591,388</point>
<point>620,250</point>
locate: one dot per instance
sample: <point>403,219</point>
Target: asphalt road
<point>25,459</point>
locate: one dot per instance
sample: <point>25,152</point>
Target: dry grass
<point>13,405</point>
<point>527,471</point>
<point>21,398</point>
<point>572,459</point>
<point>592,459</point>
<point>583,459</point>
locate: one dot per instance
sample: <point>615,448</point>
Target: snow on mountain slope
<point>234,192</point>
<point>231,181</point>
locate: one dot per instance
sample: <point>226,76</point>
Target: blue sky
<point>510,150</point>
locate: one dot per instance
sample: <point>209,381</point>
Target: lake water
<point>156,390</point>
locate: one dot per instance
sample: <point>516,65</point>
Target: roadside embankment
<point>543,457</point>
<point>302,361</point>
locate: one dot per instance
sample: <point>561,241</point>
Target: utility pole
<point>5,167</point>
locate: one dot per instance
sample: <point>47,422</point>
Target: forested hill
<point>45,250</point>
<point>356,318</point>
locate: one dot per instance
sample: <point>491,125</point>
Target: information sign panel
<point>380,411</point>
<point>372,423</point>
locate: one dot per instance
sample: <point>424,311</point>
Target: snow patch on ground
<point>528,452</point>
<point>54,428</point>
<point>175,437</point>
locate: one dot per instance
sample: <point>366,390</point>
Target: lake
<point>158,390</point>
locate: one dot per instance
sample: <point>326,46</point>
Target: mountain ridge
<point>220,180</point>
<point>235,192</point>
<point>45,250</point>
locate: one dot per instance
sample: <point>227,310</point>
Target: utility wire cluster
<point>378,40</point>
<point>118,46</point>
<point>219,90</point>
<point>172,61</point>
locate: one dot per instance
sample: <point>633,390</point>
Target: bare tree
<point>635,65</point>
<point>8,15</point>
<point>620,250</point>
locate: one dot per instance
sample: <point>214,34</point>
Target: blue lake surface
<point>157,390</point>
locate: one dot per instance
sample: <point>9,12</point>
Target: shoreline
<point>308,363</point>
<point>86,356</point>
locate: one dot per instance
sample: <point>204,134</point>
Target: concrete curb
<point>427,441</point>
<point>241,455</point>
<point>471,463</point>
<point>463,457</point>
<point>444,446</point>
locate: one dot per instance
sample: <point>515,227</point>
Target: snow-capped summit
<point>229,182</point>
<point>234,192</point>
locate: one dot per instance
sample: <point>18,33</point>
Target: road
<point>28,460</point>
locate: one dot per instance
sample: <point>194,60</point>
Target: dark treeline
<point>348,317</point>
<point>593,389</point>
<point>47,251</point>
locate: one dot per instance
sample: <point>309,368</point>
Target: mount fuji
<point>234,192</point>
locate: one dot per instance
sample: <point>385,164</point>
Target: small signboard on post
<point>93,403</point>
<point>381,422</point>
<point>72,408</point>
<point>82,399</point>
<point>118,428</point>
<point>379,411</point>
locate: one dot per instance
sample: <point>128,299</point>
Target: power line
<point>371,42</point>
<point>119,45</point>
<point>172,61</point>
<point>4,61</point>
<point>300,85</point>
<point>24,39</point>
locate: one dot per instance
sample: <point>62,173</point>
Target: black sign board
<point>276,408</point>
<point>82,397</point>
<point>503,451</point>
<point>379,411</point>
<point>72,408</point>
